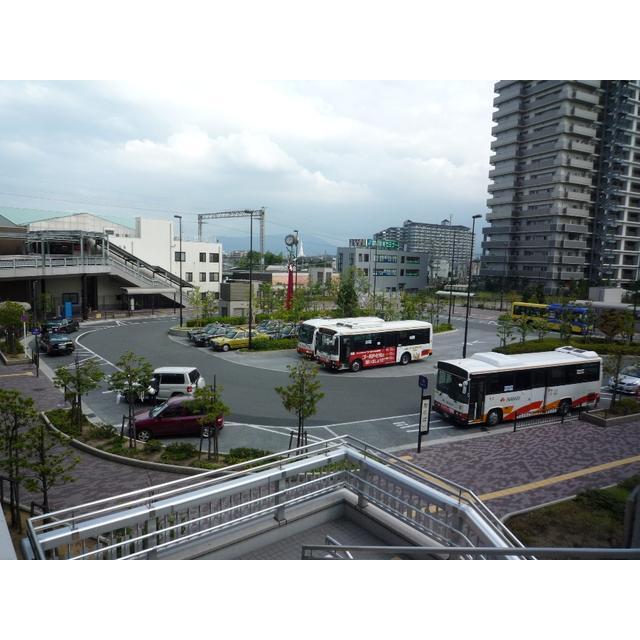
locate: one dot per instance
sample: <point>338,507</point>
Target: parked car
<point>60,325</point>
<point>202,339</point>
<point>196,330</point>
<point>175,417</point>
<point>288,331</point>
<point>628,380</point>
<point>56,344</point>
<point>175,381</point>
<point>234,339</point>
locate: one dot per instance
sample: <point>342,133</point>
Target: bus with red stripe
<point>309,331</point>
<point>358,345</point>
<point>488,388</point>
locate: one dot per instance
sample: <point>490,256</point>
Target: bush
<point>201,322</point>
<point>61,419</point>
<point>179,451</point>
<point>549,344</point>
<point>625,407</point>
<point>445,326</point>
<point>153,446</point>
<point>243,454</point>
<point>100,431</point>
<point>4,347</point>
<point>268,344</point>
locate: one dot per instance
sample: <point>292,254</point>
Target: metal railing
<point>49,262</point>
<point>161,521</point>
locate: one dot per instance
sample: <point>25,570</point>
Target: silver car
<point>628,380</point>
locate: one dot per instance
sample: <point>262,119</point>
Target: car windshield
<point>158,409</point>
<point>231,334</point>
<point>306,333</point>
<point>451,385</point>
<point>632,371</point>
<point>58,338</point>
<point>327,342</point>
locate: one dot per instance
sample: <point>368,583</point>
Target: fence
<point>531,419</point>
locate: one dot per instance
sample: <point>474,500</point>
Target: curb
<point>444,333</point>
<point>13,361</point>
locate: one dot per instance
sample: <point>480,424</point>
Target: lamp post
<point>180,259</point>
<point>466,320</point>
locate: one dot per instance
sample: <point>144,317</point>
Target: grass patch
<point>445,326</point>
<point>61,419</point>
<point>594,518</point>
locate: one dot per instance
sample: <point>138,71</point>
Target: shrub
<point>445,326</point>
<point>243,454</point>
<point>549,344</point>
<point>625,407</point>
<point>101,431</point>
<point>178,451</point>
<point>267,344</point>
<point>18,348</point>
<point>153,446</point>
<point>61,419</point>
<point>201,322</point>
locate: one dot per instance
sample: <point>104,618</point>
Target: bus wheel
<point>564,408</point>
<point>356,365</point>
<point>494,417</point>
<point>405,358</point>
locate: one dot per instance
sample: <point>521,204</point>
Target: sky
<point>334,159</point>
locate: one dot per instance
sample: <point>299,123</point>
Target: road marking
<point>531,486</point>
<point>412,431</point>
<point>13,375</point>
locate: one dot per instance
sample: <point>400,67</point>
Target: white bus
<point>492,387</point>
<point>309,330</point>
<point>357,345</point>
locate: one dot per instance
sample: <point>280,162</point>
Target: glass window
<point>188,276</point>
<point>538,378</point>
<point>203,257</point>
<point>522,380</point>
<point>194,376</point>
<point>214,257</point>
<point>203,276</point>
<point>557,376</point>
<point>171,378</point>
<point>214,276</point>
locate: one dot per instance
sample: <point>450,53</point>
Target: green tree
<point>131,381</point>
<point>538,294</point>
<point>194,300</point>
<point>615,323</point>
<point>434,308</point>
<point>540,326</point>
<point>565,327</point>
<point>347,300</point>
<point>77,380</point>
<point>522,325</point>
<point>505,328</point>
<point>209,304</point>
<point>17,415</point>
<point>209,400</point>
<point>11,321</point>
<point>612,365</point>
<point>302,395</point>
<point>50,460</point>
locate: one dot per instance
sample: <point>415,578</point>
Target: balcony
<point>577,260</point>
<point>585,114</point>
<point>582,147</point>
<point>575,228</point>
<point>577,195</point>
<point>582,130</point>
<point>583,96</point>
<point>579,163</point>
<point>574,244</point>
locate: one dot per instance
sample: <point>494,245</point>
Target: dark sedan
<point>178,416</point>
<point>60,325</point>
<point>56,344</point>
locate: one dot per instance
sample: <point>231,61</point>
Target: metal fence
<point>553,416</point>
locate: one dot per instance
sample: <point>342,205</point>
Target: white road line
<point>412,431</point>
<point>97,355</point>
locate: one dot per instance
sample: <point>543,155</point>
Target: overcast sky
<point>331,159</point>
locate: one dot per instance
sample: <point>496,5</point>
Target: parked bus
<point>309,330</point>
<point>358,345</point>
<point>555,314</point>
<point>492,387</point>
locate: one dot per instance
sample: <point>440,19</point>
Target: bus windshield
<point>306,333</point>
<point>451,384</point>
<point>328,343</point>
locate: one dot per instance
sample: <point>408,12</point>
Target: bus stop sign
<point>423,382</point>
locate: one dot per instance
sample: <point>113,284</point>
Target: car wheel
<point>356,365</point>
<point>144,435</point>
<point>405,358</point>
<point>494,417</point>
<point>564,408</point>
<point>225,347</point>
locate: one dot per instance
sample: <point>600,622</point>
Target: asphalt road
<point>379,406</point>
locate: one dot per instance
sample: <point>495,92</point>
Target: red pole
<point>287,302</point>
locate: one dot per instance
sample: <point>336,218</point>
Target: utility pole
<point>453,251</point>
<point>466,321</point>
<point>180,257</point>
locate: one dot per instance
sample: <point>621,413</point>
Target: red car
<point>177,416</point>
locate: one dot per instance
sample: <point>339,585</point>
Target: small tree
<point>540,326</point>
<point>11,321</point>
<point>76,381</point>
<point>194,300</point>
<point>615,323</point>
<point>612,365</point>
<point>505,328</point>
<point>209,400</point>
<point>49,458</point>
<point>347,300</point>
<point>131,380</point>
<point>17,414</point>
<point>302,395</point>
<point>522,325</point>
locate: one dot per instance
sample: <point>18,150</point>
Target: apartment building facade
<point>565,196</point>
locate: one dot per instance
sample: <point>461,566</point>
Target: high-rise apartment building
<point>565,197</point>
<point>440,241</point>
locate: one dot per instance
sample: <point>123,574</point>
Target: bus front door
<point>476,400</point>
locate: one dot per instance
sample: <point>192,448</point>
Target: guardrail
<point>50,261</point>
<point>159,521</point>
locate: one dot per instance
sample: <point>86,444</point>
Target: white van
<point>175,381</point>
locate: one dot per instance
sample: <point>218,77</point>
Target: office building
<point>565,196</point>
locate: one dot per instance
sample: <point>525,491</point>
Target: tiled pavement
<point>486,465</point>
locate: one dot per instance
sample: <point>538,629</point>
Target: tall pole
<point>250,276</point>
<point>453,251</point>
<point>504,275</point>
<point>296,262</point>
<point>180,260</point>
<point>466,320</point>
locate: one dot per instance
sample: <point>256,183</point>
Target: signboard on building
<point>370,243</point>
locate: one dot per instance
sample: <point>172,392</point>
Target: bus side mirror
<point>465,386</point>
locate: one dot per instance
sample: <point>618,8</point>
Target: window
<point>203,257</point>
<point>413,272</point>
<point>202,276</point>
<point>538,378</point>
<point>522,381</point>
<point>188,276</point>
<point>70,297</point>
<point>500,382</point>
<point>194,376</point>
<point>214,276</point>
<point>214,257</point>
<point>172,378</point>
<point>557,376</point>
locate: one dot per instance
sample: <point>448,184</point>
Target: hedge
<point>268,344</point>
<point>201,322</point>
<point>601,347</point>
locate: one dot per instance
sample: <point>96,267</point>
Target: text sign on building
<point>369,243</point>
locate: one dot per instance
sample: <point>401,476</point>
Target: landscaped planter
<point>17,359</point>
<point>598,418</point>
<point>179,331</point>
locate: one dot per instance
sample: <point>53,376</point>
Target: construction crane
<point>244,213</point>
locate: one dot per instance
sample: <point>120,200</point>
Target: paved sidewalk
<point>536,465</point>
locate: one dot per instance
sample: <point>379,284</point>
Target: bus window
<point>538,378</point>
<point>557,376</point>
<point>591,372</point>
<point>522,381</point>
<point>500,382</point>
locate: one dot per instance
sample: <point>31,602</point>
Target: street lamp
<point>296,261</point>
<point>466,320</point>
<point>181,260</point>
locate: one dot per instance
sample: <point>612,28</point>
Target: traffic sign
<point>35,331</point>
<point>423,382</point>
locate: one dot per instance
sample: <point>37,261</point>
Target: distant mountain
<point>311,245</point>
